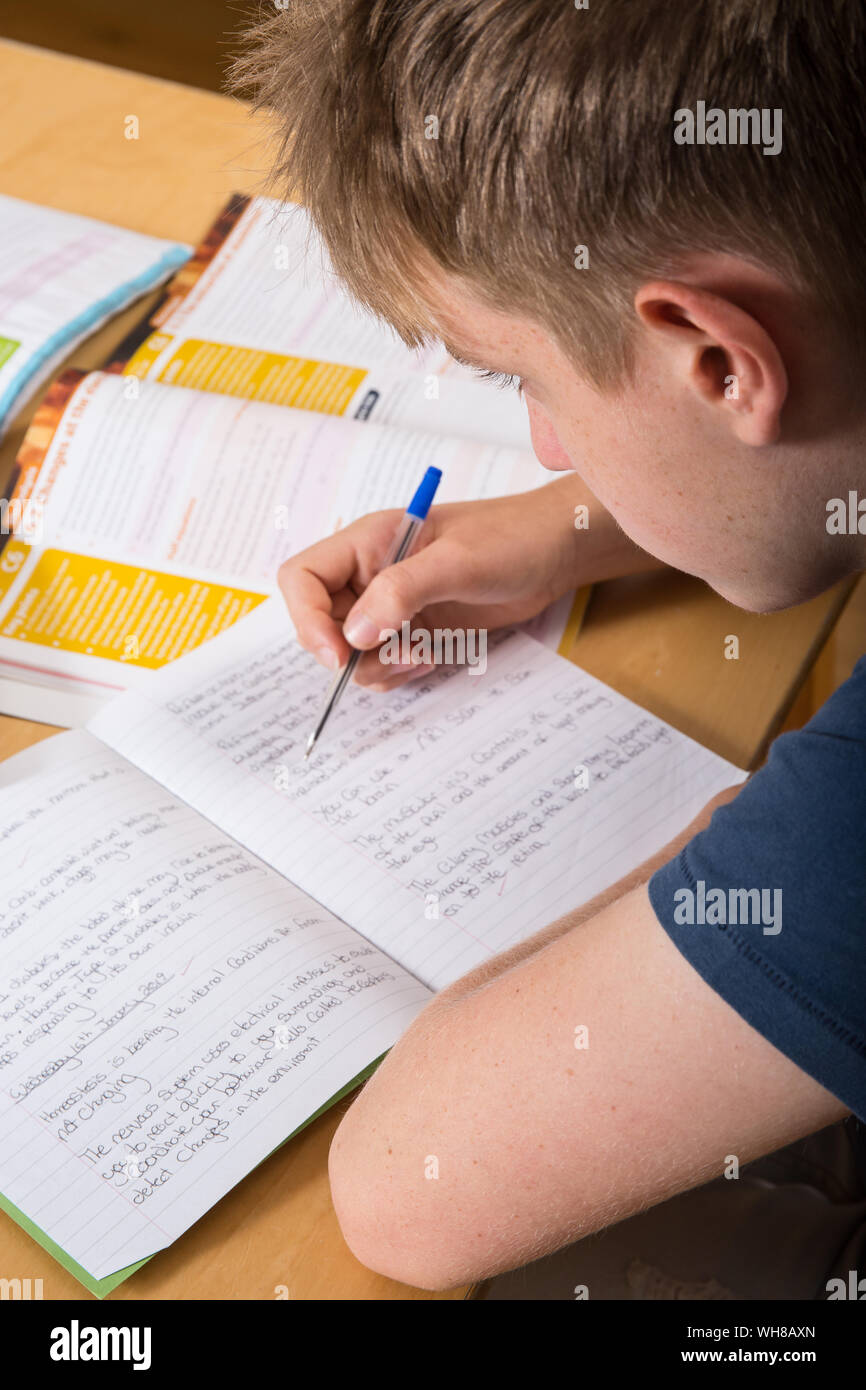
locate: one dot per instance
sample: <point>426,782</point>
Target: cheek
<point>613,466</point>
<point>649,484</point>
<point>630,479</point>
<point>620,483</point>
<point>635,488</point>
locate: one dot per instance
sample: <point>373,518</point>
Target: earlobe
<point>757,426</point>
<point>735,385</point>
<point>752,387</point>
<point>723,353</point>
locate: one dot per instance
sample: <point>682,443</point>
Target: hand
<point>476,565</point>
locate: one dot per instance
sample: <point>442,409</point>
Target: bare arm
<point>488,1138</point>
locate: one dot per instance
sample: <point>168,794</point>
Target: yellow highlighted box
<point>145,617</point>
<point>302,382</point>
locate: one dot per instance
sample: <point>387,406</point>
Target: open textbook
<point>204,941</point>
<point>62,277</point>
<point>153,506</point>
<point>258,312</point>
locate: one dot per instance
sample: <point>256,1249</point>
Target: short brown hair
<point>555,129</point>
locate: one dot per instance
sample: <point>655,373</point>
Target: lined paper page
<point>445,821</point>
<point>170,1008</point>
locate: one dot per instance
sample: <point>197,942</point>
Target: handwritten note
<point>445,821</point>
<point>170,1008</point>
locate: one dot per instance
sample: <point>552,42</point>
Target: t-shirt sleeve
<point>768,903</point>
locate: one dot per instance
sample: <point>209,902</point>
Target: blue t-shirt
<point>769,902</point>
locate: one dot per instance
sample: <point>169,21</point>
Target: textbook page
<point>446,820</point>
<point>259,313</point>
<point>161,516</point>
<point>62,277</point>
<point>171,1010</point>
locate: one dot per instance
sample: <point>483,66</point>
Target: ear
<point>722,353</point>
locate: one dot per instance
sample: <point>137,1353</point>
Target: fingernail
<point>328,657</point>
<point>359,631</point>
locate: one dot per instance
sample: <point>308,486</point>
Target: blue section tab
<point>423,499</point>
<point>91,318</point>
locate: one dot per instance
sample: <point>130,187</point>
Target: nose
<point>545,440</point>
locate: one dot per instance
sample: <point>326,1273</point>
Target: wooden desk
<point>659,639</point>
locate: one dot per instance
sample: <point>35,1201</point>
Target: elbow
<point>385,1219</point>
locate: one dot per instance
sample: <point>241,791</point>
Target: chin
<point>773,599</point>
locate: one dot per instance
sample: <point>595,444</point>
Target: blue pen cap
<point>423,499</point>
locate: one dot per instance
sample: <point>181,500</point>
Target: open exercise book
<point>205,941</point>
<point>155,502</point>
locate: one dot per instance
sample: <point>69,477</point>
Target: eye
<point>500,379</point>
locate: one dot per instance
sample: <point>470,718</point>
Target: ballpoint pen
<point>412,521</point>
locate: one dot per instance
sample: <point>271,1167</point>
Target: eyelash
<point>502,380</point>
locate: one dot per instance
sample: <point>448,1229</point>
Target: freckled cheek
<point>634,488</point>
<point>618,480</point>
<point>600,457</point>
<point>649,518</point>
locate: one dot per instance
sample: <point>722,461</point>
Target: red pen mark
<point>502,885</point>
<point>188,964</point>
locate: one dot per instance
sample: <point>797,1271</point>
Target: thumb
<point>396,594</point>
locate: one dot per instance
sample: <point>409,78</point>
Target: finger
<point>381,663</point>
<point>310,583</point>
<point>407,673</point>
<point>398,592</point>
<point>371,672</point>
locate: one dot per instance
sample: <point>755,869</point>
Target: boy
<point>650,215</point>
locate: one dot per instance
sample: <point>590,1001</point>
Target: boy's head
<point>649,211</point>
